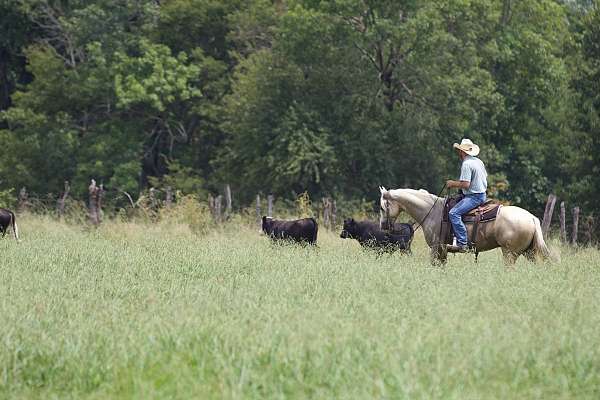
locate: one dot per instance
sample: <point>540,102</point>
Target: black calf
<point>7,219</point>
<point>300,230</point>
<point>369,235</point>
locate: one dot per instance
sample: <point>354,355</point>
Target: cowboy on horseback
<point>473,184</point>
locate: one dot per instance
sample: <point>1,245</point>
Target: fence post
<point>333,214</point>
<point>219,208</point>
<point>99,202</point>
<point>326,209</point>
<point>575,225</point>
<point>270,206</point>
<point>211,206</point>
<point>227,201</point>
<point>62,200</point>
<point>153,202</point>
<point>168,196</point>
<point>22,200</point>
<point>94,192</point>
<point>563,226</point>
<point>548,214</point>
<point>589,229</point>
<point>258,216</point>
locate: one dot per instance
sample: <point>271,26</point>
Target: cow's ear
<point>264,219</point>
<point>352,220</point>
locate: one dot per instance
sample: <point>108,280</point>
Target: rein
<point>387,211</point>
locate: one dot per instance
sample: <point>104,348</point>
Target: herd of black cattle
<point>305,231</point>
<point>367,233</point>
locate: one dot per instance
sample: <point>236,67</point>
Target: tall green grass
<point>134,310</point>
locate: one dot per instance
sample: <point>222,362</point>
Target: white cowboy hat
<point>468,147</point>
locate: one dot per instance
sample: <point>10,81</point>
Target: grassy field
<point>154,311</point>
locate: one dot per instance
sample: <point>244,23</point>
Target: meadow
<point>136,310</point>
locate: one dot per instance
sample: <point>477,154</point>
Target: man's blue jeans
<point>469,202</point>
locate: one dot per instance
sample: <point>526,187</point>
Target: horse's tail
<point>538,246</point>
<point>14,226</point>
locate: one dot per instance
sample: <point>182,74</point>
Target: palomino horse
<point>515,230</point>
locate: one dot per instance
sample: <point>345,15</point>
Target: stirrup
<point>451,248</point>
<point>467,248</point>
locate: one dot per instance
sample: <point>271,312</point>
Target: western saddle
<point>485,212</point>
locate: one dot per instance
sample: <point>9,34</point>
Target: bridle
<point>390,227</point>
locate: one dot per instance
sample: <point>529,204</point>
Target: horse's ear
<point>382,189</point>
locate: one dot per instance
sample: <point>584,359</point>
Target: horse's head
<point>389,209</point>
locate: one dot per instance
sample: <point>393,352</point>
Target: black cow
<point>299,230</point>
<point>370,235</point>
<point>7,219</point>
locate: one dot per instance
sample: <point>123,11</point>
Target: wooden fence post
<point>589,229</point>
<point>95,202</point>
<point>211,205</point>
<point>153,200</point>
<point>575,225</point>
<point>333,214</point>
<point>548,214</point>
<point>326,211</point>
<point>23,201</point>
<point>219,208</point>
<point>563,226</point>
<point>168,197</point>
<point>270,206</point>
<point>99,204</point>
<point>227,201</point>
<point>62,200</point>
<point>258,216</point>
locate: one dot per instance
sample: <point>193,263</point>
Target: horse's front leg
<point>438,254</point>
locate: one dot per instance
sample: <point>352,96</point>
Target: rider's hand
<point>449,183</point>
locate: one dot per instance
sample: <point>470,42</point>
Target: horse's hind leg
<point>530,255</point>
<point>510,257</point>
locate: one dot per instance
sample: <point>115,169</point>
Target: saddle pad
<point>488,210</point>
<point>488,213</point>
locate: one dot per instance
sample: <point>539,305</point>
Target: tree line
<point>290,96</point>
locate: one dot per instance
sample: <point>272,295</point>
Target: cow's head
<point>349,229</point>
<point>267,225</point>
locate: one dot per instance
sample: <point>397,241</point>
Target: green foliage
<point>7,198</point>
<point>286,97</point>
<point>303,206</point>
<point>182,178</point>
<point>155,78</point>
